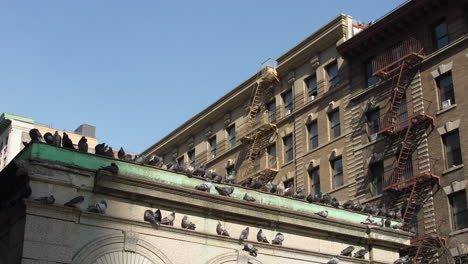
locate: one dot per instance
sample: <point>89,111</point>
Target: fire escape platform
<point>401,185</point>
<point>403,124</point>
<point>268,174</point>
<point>391,69</point>
<point>260,128</point>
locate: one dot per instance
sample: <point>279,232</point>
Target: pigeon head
<point>104,202</point>
<point>184,218</point>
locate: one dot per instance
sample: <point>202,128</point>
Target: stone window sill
<point>287,163</point>
<point>459,232</point>
<point>446,109</point>
<point>454,168</point>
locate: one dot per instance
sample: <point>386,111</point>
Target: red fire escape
<point>398,64</point>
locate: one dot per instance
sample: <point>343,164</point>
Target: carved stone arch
<point>129,251</point>
<point>233,258</point>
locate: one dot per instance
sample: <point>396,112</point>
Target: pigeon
<point>280,188</point>
<point>154,160</point>
<point>380,223</point>
<point>220,230</point>
<point>244,234</point>
<point>251,249</point>
<point>249,198</point>
<point>279,238</point>
<point>157,217</point>
<point>113,168</point>
<point>100,149</point>
<point>273,190</point>
<point>187,223</point>
<point>246,182</point>
<point>310,198</point>
<point>398,225</point>
<point>261,237</point>
<point>35,135</point>
<point>109,152</point>
<point>391,214</point>
<point>73,202</point>
<point>289,192</point>
<point>121,154</point>
<point>257,184</point>
<point>335,203</point>
<point>206,187</point>
<point>200,171</point>
<point>318,197</point>
<point>225,190</point>
<point>66,142</point>
<point>358,206</point>
<point>46,199</point>
<point>57,139</point>
<point>326,199</point>
<point>49,139</point>
<point>374,210</point>
<point>347,251</point>
<point>299,194</point>
<point>360,254</point>
<point>367,208</point>
<point>217,178</point>
<point>402,260</point>
<point>349,205</point>
<point>83,145</point>
<point>383,210</point>
<point>268,187</point>
<point>149,217</point>
<point>333,260</point>
<point>98,207</point>
<point>169,220</point>
<point>388,222</point>
<point>412,229</point>
<point>398,214</point>
<point>368,220</point>
<point>230,179</point>
<point>323,213</point>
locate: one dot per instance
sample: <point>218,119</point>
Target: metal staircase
<point>257,130</point>
<point>399,63</point>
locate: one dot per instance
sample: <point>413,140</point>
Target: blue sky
<point>139,69</point>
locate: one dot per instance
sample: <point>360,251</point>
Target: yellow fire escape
<point>258,129</point>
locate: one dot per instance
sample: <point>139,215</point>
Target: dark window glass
<point>231,170</point>
<point>440,35</point>
<point>461,259</point>
<point>337,168</point>
<point>335,128</point>
<point>371,80</point>
<point>445,85</point>
<point>272,111</point>
<point>314,175</point>
<point>213,147</point>
<point>232,135</point>
<point>289,183</point>
<point>452,148</point>
<point>403,112</point>
<point>272,156</point>
<point>288,103</point>
<point>459,210</point>
<point>288,148</point>
<point>313,135</point>
<point>332,73</point>
<point>311,87</point>
<point>373,121</point>
<point>191,156</point>
<point>181,162</point>
<point>376,174</point>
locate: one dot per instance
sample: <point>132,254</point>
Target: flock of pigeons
<point>211,177</point>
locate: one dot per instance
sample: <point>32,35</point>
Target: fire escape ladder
<point>425,250</point>
<point>403,80</point>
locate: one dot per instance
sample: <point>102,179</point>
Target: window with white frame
<point>311,83</point>
<point>287,102</point>
<point>335,127</point>
<point>312,130</point>
<point>288,148</point>
<point>445,87</point>
<point>332,75</point>
<point>459,209</point>
<point>337,172</point>
<point>453,153</point>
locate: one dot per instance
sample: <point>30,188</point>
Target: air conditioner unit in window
<point>446,103</point>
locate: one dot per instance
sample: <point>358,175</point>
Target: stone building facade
<point>33,232</point>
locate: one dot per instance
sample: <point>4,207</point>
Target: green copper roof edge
<point>93,162</point>
<point>8,116</point>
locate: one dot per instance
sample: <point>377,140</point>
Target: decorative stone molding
<point>227,119</point>
<point>311,118</point>
<point>449,126</point>
<point>336,153</point>
<point>443,68</point>
<point>315,62</point>
<point>332,106</point>
<point>191,142</point>
<point>240,257</point>
<point>288,130</point>
<point>313,163</point>
<point>130,241</point>
<point>454,187</point>
<point>175,154</point>
<point>208,131</point>
<point>291,78</point>
<point>114,244</point>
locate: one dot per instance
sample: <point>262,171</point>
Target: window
<point>332,74</point>
<point>445,85</point>
<point>271,150</point>
<point>370,79</point>
<point>314,177</point>
<point>461,259</point>
<point>191,157</point>
<point>337,168</point>
<point>376,174</point>
<point>313,135</point>
<point>373,121</point>
<point>289,183</point>
<point>335,129</point>
<point>212,142</point>
<point>288,103</point>
<point>271,107</point>
<point>459,211</point>
<point>440,34</point>
<point>452,148</point>
<point>181,162</point>
<point>231,131</point>
<point>231,170</point>
<point>311,83</point>
<point>288,148</point>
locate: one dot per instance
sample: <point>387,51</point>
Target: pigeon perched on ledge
<point>205,187</point>
<point>244,234</point>
<point>323,213</point>
<point>251,249</point>
<point>83,145</point>
<point>153,218</point>
<point>113,168</point>
<point>35,135</point>
<point>347,251</point>
<point>225,190</point>
<point>261,237</point>
<point>73,202</point>
<point>333,260</point>
<point>360,254</point>
<point>279,238</point>
<point>187,223</point>
<point>98,207</point>
<point>49,139</point>
<point>249,198</point>
<point>46,199</point>
<point>220,230</point>
<point>169,220</point>
<point>67,142</point>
